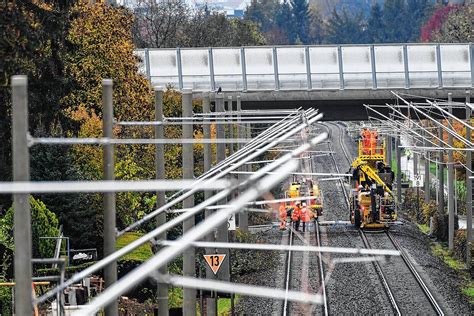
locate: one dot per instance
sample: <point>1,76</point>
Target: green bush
<point>414,209</point>
<point>428,211</point>
<point>460,245</point>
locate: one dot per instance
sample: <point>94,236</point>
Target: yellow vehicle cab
<point>309,188</point>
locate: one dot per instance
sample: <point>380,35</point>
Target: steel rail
<point>417,276</point>
<point>285,310</point>
<point>165,255</point>
<point>321,269</point>
<point>379,270</point>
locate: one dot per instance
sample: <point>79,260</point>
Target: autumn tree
<point>451,24</point>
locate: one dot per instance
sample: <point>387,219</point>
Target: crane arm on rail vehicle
<point>370,173</point>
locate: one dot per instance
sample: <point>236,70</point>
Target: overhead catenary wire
<point>168,253</point>
<point>219,171</point>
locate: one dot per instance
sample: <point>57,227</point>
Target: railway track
<point>397,268</point>
<point>295,270</point>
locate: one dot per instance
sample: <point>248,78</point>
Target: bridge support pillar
<point>189,267</point>
<point>162,291</point>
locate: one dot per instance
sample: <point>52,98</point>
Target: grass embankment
<point>439,250</point>
<point>224,306</point>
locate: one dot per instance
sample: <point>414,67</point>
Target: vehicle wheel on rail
<point>357,220</point>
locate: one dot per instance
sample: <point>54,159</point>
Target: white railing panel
<point>324,67</point>
<point>357,66</point>
<point>163,62</point>
<point>456,65</point>
<point>260,68</point>
<point>227,68</point>
<point>196,73</point>
<point>390,69</point>
<point>422,66</point>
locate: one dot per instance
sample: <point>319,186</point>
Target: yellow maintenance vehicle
<point>306,187</point>
<point>371,200</point>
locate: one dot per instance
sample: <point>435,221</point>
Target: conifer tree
<point>376,25</point>
<point>301,19</point>
<point>286,22</point>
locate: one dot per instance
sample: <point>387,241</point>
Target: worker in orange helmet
<point>295,215</point>
<point>283,215</point>
<point>305,216</point>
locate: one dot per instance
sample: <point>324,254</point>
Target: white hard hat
<point>304,204</point>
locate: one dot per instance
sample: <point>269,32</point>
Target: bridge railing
<point>311,67</point>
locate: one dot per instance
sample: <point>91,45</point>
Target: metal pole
<point>244,69</point>
<point>450,189</point>
<point>427,175</point>
<point>415,163</point>
<point>162,292</point>
<point>373,67</point>
<point>399,171</point>
<point>244,220</point>
<point>110,272</point>
<point>440,176</point>
<point>468,186</point>
<point>21,204</point>
<point>439,67</point>
<point>308,68</point>
<point>211,69</point>
<point>231,125</point>
<point>180,68</point>
<point>206,108</point>
<point>222,230</point>
<point>341,67</point>
<point>275,69</point>
<point>388,150</point>
<point>450,183</point>
<point>189,269</point>
<point>243,216</point>
<point>405,64</point>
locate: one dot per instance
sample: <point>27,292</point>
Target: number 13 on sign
<point>214,261</point>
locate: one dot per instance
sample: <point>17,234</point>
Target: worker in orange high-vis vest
<point>365,141</point>
<point>295,216</point>
<point>283,215</point>
<point>305,216</point>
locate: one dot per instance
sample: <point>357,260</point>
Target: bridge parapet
<point>299,68</point>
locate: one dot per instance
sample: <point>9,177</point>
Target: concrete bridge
<point>337,79</point>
